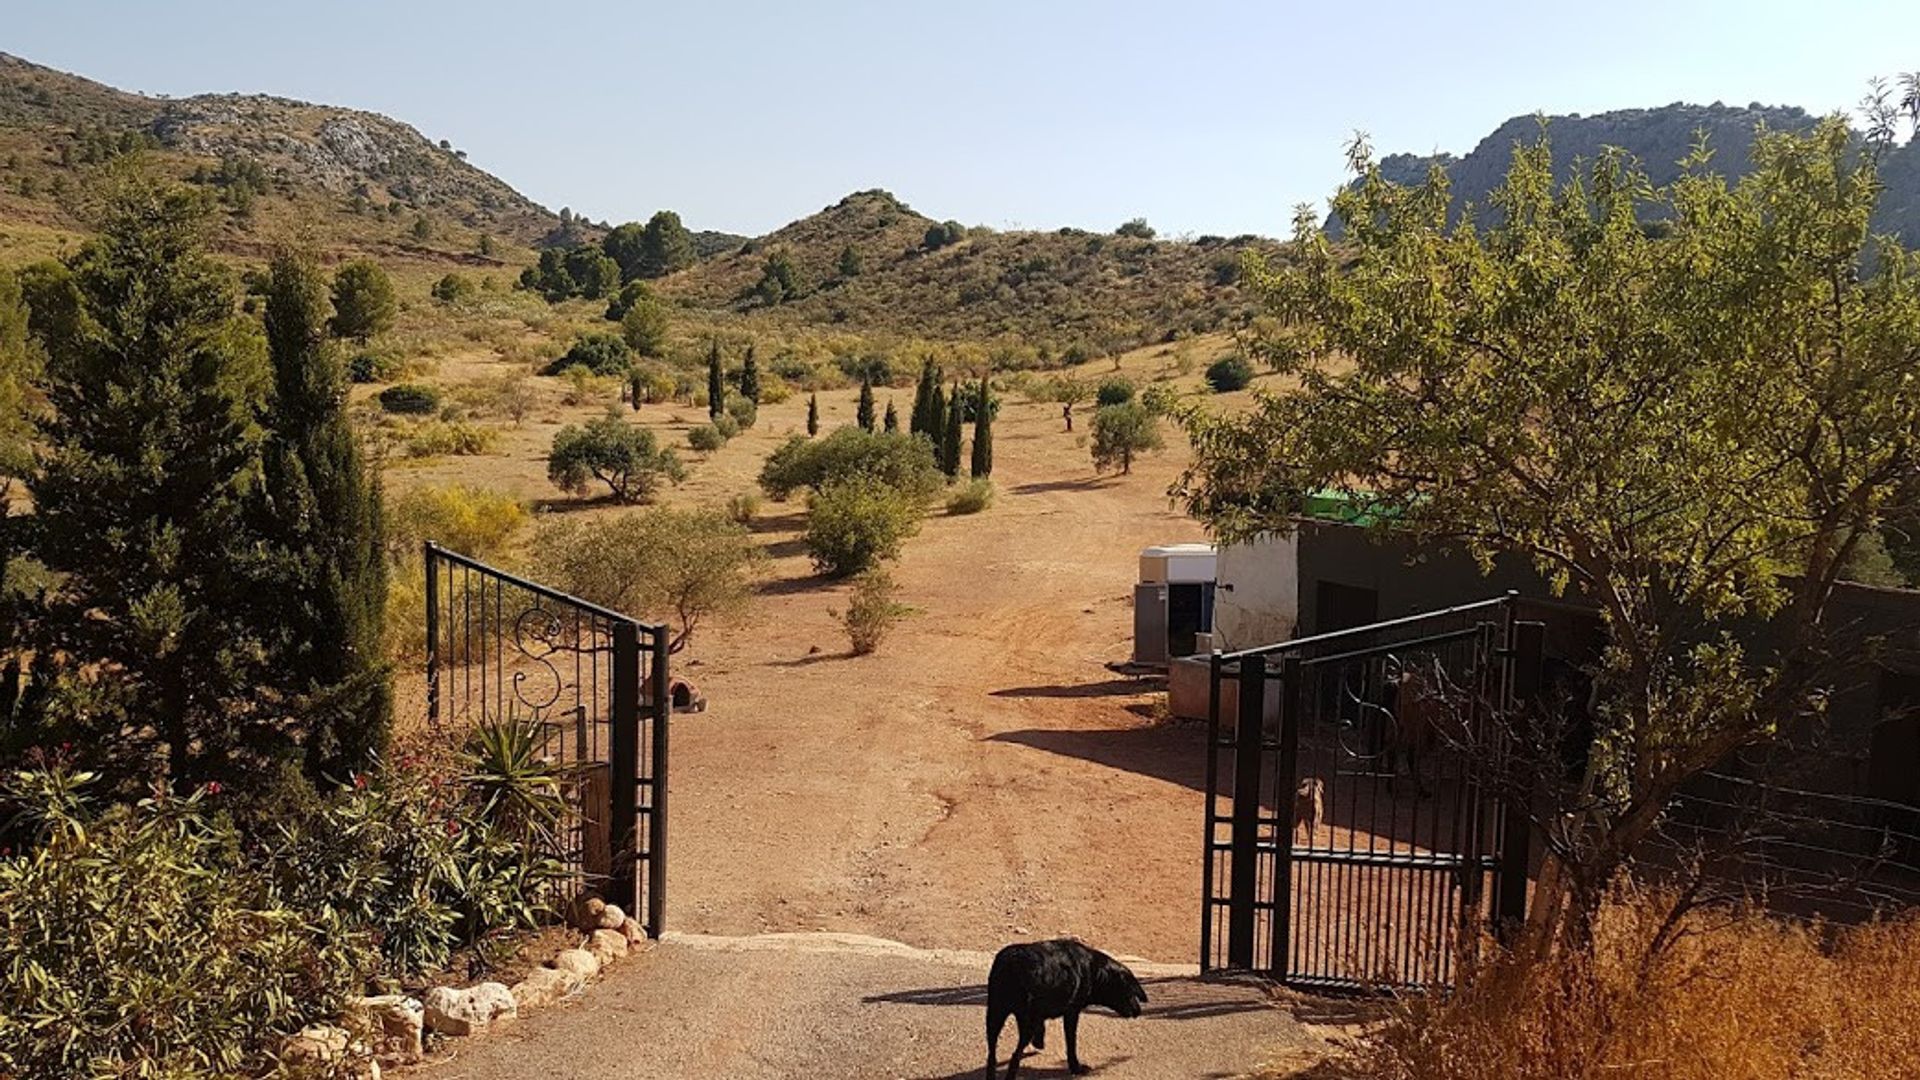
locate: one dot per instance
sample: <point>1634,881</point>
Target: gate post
<point>662,706</point>
<point>1213,791</point>
<point>429,550</point>
<point>1292,695</point>
<point>1244,881</point>
<point>623,748</point>
<point>1526,651</point>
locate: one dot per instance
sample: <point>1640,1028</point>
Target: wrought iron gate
<point>594,680</point>
<point>1359,831</point>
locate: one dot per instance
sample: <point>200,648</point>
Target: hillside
<point>338,164</point>
<point>1659,137</point>
<point>1069,287</point>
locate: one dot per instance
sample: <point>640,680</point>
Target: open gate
<point>594,680</point>
<point>1358,832</point>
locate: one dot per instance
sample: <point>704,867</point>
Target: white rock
<point>543,986</point>
<point>633,931</point>
<point>392,1022</point>
<point>610,918</point>
<point>317,1042</point>
<point>452,1011</point>
<point>607,946</point>
<point>577,962</point>
<point>587,911</point>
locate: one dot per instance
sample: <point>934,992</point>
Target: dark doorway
<point>1189,614</point>
<point>1893,767</point>
<point>1343,607</point>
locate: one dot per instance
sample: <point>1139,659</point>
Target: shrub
<point>373,365</point>
<point>476,522</point>
<point>410,399</point>
<point>727,426</point>
<point>1229,373</point>
<point>686,566</point>
<point>706,438</point>
<point>1115,391</point>
<point>1159,399</point>
<point>871,611</point>
<point>743,411</point>
<point>971,499</point>
<point>626,458</point>
<point>453,288</point>
<point>1121,432</point>
<point>439,437</point>
<point>601,354</point>
<point>897,460</point>
<point>855,523</point>
<point>744,507</point>
<point>1136,228</point>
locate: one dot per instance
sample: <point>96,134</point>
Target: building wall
<point>1258,600</point>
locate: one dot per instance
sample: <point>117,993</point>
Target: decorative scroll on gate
<point>1353,837</point>
<point>593,680</point>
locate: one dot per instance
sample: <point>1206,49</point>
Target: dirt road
<point>750,1008</point>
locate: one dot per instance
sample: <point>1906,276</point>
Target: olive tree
<point>690,566</point>
<point>628,459</point>
<point>1693,428</point>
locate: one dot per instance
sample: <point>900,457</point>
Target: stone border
<point>390,1029</point>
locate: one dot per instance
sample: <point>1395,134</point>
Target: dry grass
<point>1739,994</point>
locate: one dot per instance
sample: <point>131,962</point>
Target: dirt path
<point>812,1006</point>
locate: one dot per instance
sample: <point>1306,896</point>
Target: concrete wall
<point>1187,682</point>
<point>1258,601</point>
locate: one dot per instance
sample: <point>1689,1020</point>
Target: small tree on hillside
<point>951,438</point>
<point>627,459</point>
<point>750,377</point>
<point>850,262</point>
<point>665,246</point>
<point>716,383</point>
<point>1120,432</point>
<point>891,422</point>
<point>813,414</point>
<point>863,415</point>
<point>982,463</point>
<point>644,326</point>
<point>363,301</point>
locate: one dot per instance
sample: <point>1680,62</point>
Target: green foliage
<point>410,398</point>
<point>473,521</point>
<point>854,523</point>
<point>20,368</point>
<point>742,508</point>
<point>872,610</point>
<point>1691,429</point>
<point>850,262</point>
<point>750,377</point>
<point>984,407</point>
<point>627,459</point>
<point>656,249</point>
<point>454,288</point>
<point>928,418</point>
<point>1136,228</point>
<point>813,414</point>
<point>323,512</point>
<point>363,300</point>
<point>624,299</point>
<point>1122,432</point>
<point>727,426</point>
<point>891,422</point>
<point>688,567</point>
<point>373,365</point>
<point>716,382</point>
<point>943,234</point>
<point>781,279</point>
<point>1160,399</point>
<point>899,461</point>
<point>705,438</point>
<point>1114,391</point>
<point>976,496</point>
<point>582,270</point>
<point>863,415</point>
<point>1229,373</point>
<point>950,438</point>
<point>743,411</point>
<point>599,353</point>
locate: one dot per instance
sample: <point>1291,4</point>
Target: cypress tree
<point>936,423</point>
<point>864,415</point>
<point>950,445</point>
<point>926,418</point>
<point>813,414</point>
<point>321,520</point>
<point>982,433</point>
<point>716,383</point>
<point>892,423</point>
<point>150,447</point>
<point>750,377</point>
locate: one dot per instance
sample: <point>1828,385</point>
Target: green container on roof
<point>1346,507</point>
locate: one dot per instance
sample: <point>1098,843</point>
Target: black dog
<point>1036,982</point>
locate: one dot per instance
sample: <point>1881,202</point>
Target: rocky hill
<point>871,262</point>
<point>1659,138</point>
<point>362,162</point>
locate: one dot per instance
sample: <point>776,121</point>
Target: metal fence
<point>1353,837</point>
<point>595,682</point>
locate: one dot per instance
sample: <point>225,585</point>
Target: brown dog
<point>1307,805</point>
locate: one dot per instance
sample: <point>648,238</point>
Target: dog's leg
<point>1040,1034</point>
<point>1071,1022</point>
<point>996,1020</point>
<point>1019,1048</point>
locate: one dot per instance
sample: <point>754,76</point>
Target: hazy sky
<point>1201,116</point>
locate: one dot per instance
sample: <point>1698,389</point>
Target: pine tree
<point>950,445</point>
<point>716,383</point>
<point>321,520</point>
<point>150,447</point>
<point>892,422</point>
<point>982,465</point>
<point>750,377</point>
<point>813,415</point>
<point>864,414</point>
